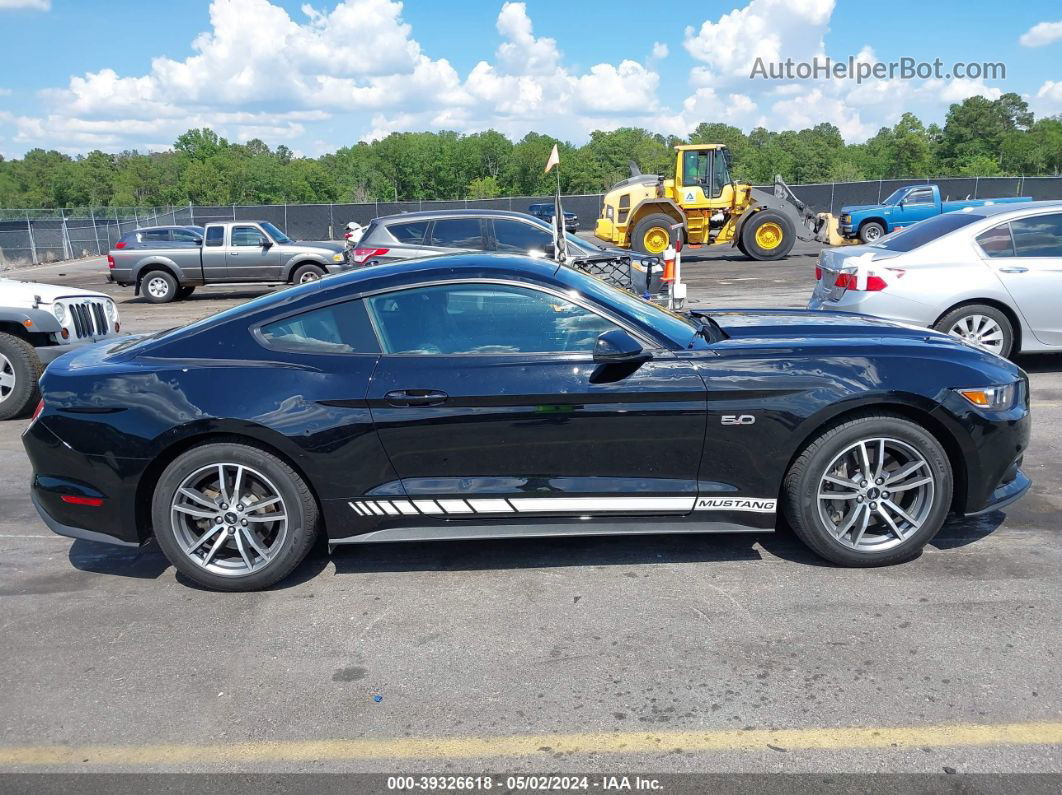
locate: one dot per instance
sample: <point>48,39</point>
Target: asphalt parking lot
<point>657,654</point>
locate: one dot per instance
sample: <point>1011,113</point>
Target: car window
<point>340,328</point>
<point>154,235</point>
<point>184,235</point>
<point>997,242</point>
<point>457,233</point>
<point>483,319</point>
<point>920,196</point>
<point>411,232</point>
<point>911,237</point>
<point>1039,236</point>
<point>247,236</point>
<point>215,236</point>
<point>520,237</point>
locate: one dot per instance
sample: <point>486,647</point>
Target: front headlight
<point>991,397</point>
<point>60,313</point>
<point>337,258</point>
<point>111,310</point>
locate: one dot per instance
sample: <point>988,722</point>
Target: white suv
<point>38,323</point>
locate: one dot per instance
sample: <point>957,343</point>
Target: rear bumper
<point>70,531</point>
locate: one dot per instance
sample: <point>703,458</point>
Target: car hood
<point>25,294</point>
<point>326,245</point>
<point>854,208</point>
<point>799,323</point>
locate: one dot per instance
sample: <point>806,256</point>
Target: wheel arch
<point>910,408</point>
<point>874,220</point>
<point>1012,316</point>
<point>299,260</point>
<point>157,265</point>
<point>654,205</point>
<point>260,438</point>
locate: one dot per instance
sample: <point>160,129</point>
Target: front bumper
<point>49,353</point>
<point>1005,494</point>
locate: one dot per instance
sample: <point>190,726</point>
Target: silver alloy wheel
<point>872,232</point>
<point>229,519</point>
<point>7,378</point>
<point>876,494</point>
<point>309,276</point>
<point>158,287</point>
<point>980,330</point>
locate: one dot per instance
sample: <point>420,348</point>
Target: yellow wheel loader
<point>640,213</point>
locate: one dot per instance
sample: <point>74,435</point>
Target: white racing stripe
<point>562,505</point>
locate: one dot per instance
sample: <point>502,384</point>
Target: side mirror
<point>619,347</point>
<point>267,243</point>
<point>199,241</point>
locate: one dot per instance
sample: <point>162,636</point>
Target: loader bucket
<point>827,231</point>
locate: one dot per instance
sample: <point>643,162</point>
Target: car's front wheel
<point>871,491</point>
<point>871,231</point>
<point>20,368</point>
<point>305,274</point>
<point>233,517</point>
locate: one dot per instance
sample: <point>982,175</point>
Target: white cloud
<point>660,50</point>
<point>1041,34</point>
<point>31,5</point>
<point>1048,100</point>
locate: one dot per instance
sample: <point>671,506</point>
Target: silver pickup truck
<point>166,263</point>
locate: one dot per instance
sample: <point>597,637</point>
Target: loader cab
<point>703,177</point>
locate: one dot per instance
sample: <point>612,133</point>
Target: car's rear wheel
<point>20,369</point>
<point>307,273</point>
<point>159,287</point>
<point>233,517</point>
<point>980,324</point>
<point>871,491</point>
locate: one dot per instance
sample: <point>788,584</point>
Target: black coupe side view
<point>477,396</point>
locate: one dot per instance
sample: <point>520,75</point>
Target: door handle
<point>416,397</point>
<point>1013,270</point>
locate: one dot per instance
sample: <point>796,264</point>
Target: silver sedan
<point>991,275</point>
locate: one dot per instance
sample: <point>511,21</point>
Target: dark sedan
<point>478,396</point>
<point>546,211</point>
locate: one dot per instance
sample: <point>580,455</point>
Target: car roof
<point>989,210</point>
<point>189,227</point>
<point>427,215</point>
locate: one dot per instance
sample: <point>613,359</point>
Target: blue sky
<point>117,74</point>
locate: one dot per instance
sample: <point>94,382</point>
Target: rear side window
<point>340,328</point>
<point>911,237</point>
<point>215,236</point>
<point>412,232</point>
<point>457,233</point>
<point>154,235</point>
<point>1039,236</point>
<point>997,242</point>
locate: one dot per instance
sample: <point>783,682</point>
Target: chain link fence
<point>38,236</point>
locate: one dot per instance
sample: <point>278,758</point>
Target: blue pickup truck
<point>904,207</point>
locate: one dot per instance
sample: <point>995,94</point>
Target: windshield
<point>911,237</point>
<point>275,233</point>
<point>895,196</point>
<point>679,328</point>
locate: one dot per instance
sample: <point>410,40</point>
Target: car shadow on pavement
<point>1040,363</point>
<point>959,531</point>
<point>144,563</point>
<point>233,295</point>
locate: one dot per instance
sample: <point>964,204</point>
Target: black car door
<point>488,402</point>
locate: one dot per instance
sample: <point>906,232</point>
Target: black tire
<point>654,220</point>
<point>960,316</point>
<point>805,478</point>
<point>20,363</point>
<point>298,504</point>
<point>741,247</point>
<point>762,219</point>
<point>184,292</point>
<point>871,231</point>
<point>307,273</point>
<point>159,287</point>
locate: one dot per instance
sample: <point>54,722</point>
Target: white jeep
<point>38,323</point>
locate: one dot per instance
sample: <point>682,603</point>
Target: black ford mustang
<point>487,396</point>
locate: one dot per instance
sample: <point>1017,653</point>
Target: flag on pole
<point>554,159</point>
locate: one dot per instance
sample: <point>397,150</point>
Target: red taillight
<point>362,255</point>
<point>37,411</point>
<point>119,244</point>
<point>110,262</point>
<point>818,273</point>
<point>875,283</point>
<point>348,235</point>
<point>92,502</point>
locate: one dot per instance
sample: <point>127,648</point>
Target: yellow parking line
<point>529,745</point>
